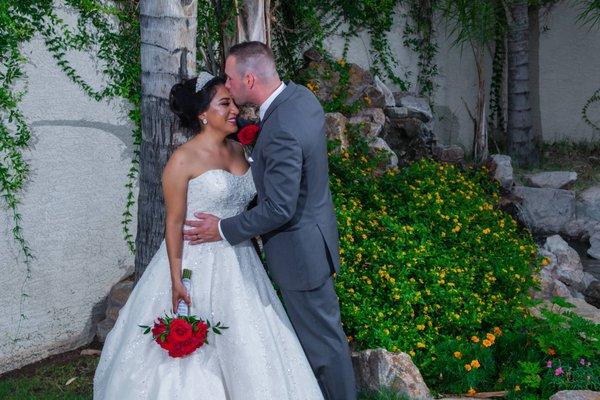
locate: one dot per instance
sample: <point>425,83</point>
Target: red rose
<point>159,328</point>
<point>200,332</point>
<point>179,330</point>
<point>247,135</point>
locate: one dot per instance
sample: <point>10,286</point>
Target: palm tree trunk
<point>253,21</point>
<point>168,55</point>
<point>521,138</point>
<point>480,144</point>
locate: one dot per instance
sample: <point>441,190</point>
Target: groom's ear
<point>250,81</point>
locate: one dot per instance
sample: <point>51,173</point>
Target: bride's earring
<point>204,121</point>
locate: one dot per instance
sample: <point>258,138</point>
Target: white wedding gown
<point>258,358</point>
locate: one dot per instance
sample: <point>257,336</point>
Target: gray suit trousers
<point>315,315</point>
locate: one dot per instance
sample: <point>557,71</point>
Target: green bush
<point>425,253</point>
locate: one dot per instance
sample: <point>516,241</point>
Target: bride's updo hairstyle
<point>186,103</point>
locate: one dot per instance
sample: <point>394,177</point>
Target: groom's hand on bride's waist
<point>205,229</point>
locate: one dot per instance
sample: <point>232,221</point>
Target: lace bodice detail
<point>220,193</point>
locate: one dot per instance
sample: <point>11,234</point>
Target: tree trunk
<point>534,73</point>
<point>253,21</point>
<point>168,55</point>
<point>480,141</point>
<point>521,141</point>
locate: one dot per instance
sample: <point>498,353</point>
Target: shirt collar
<point>265,106</point>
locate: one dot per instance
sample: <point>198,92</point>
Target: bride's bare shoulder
<point>183,162</point>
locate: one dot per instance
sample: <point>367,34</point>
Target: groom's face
<point>236,82</point>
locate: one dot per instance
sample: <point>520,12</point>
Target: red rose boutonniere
<point>247,137</point>
<point>248,134</point>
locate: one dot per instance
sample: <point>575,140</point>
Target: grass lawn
<point>47,380</point>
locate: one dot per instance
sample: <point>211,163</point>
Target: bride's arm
<point>174,182</point>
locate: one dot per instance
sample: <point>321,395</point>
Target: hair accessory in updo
<point>203,78</point>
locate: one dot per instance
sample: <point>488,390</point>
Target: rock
<point>90,352</point>
<point>559,289</point>
<point>590,202</point>
<point>594,250</point>
<point>553,179</point>
<point>576,395</point>
<point>569,269</point>
<point>545,210</point>
<point>313,54</point>
<point>592,294</point>
<point>371,119</point>
<point>380,144</point>
<point>588,279</point>
<point>417,106</point>
<point>387,93</point>
<point>581,308</point>
<point>103,328</point>
<point>581,229</point>
<point>503,170</point>
<point>335,128</point>
<point>452,154</point>
<point>373,97</point>
<point>116,300</point>
<point>378,368</point>
<point>120,293</point>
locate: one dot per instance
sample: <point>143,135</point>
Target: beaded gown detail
<point>258,358</point>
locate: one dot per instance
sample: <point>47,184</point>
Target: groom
<point>294,215</point>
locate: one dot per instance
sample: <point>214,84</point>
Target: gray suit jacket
<point>294,214</point>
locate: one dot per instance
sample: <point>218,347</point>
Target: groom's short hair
<point>255,57</point>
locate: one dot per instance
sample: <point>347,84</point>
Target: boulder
<point>117,298</point>
<point>581,229</point>
<point>373,97</point>
<point>418,107</point>
<point>376,369</point>
<point>503,170</point>
<point>452,154</point>
<point>545,210</point>
<point>594,250</point>
<point>576,395</point>
<point>378,144</point>
<point>552,179</point>
<point>372,121</point>
<point>592,294</point>
<point>335,128</point>
<point>580,307</point>
<point>568,269</point>
<point>387,93</point>
<point>590,203</point>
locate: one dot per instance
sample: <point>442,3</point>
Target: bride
<point>259,357</point>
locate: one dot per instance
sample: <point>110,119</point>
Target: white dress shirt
<point>261,114</point>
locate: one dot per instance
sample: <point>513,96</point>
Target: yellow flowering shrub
<point>425,253</point>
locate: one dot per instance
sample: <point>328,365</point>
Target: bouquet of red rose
<point>247,137</point>
<point>182,334</point>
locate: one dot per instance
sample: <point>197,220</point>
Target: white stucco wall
<point>72,205</point>
<point>569,57</point>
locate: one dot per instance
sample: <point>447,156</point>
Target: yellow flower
<point>486,231</point>
<point>486,343</point>
<point>475,364</point>
<point>412,353</point>
<point>342,62</point>
<point>497,331</point>
<point>458,354</point>
<point>545,261</point>
<point>420,327</point>
<point>468,367</point>
<point>471,392</point>
<point>551,351</point>
<point>421,345</point>
<point>517,388</point>
<point>474,339</point>
<point>491,337</point>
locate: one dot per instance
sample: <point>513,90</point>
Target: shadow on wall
<point>447,128</point>
<point>121,132</point>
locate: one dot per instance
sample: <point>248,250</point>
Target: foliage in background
<point>556,353</point>
<point>425,253</point>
